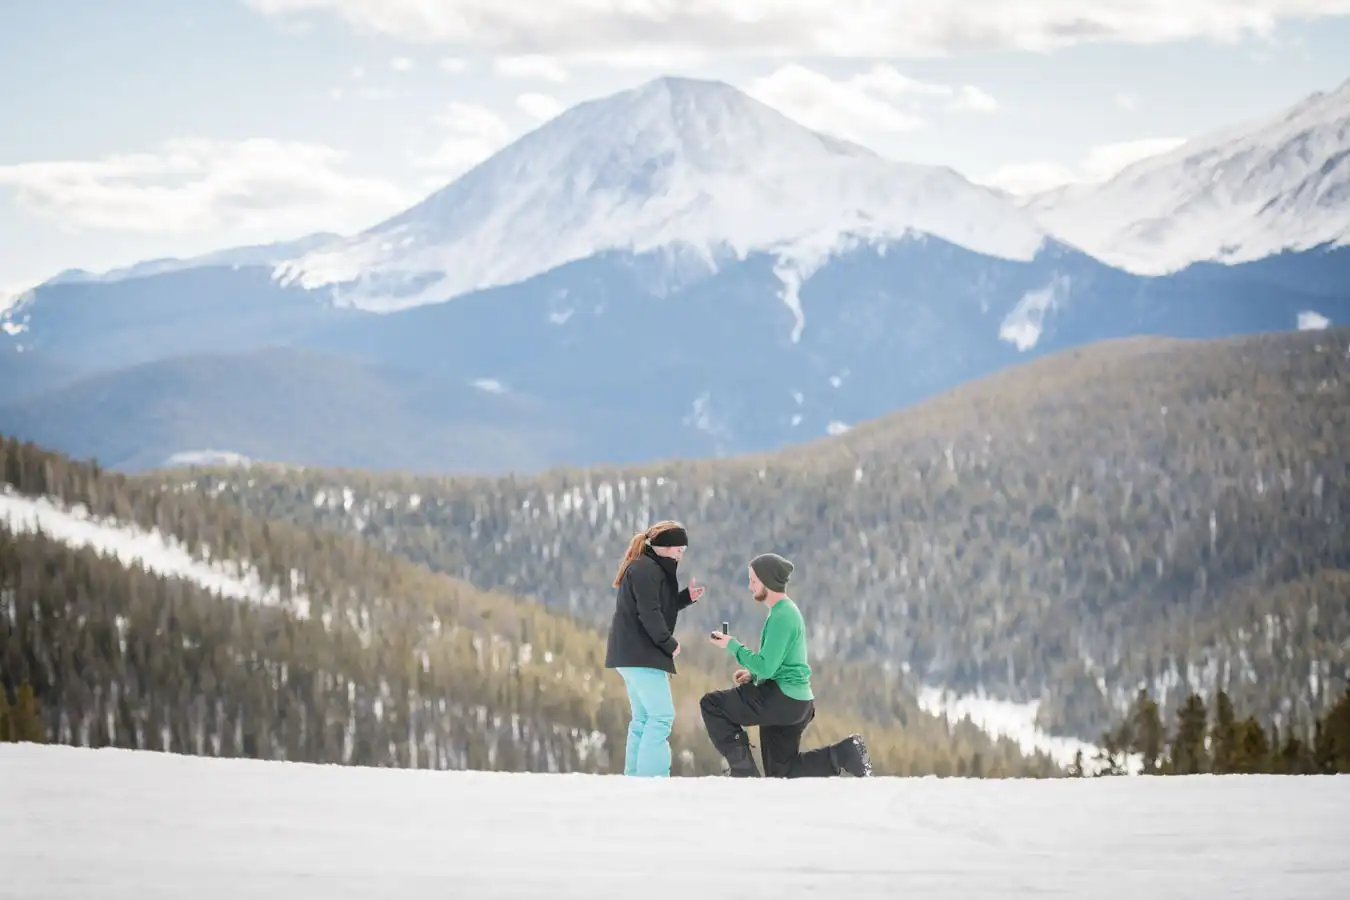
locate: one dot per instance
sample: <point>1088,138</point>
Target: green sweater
<point>782,652</point>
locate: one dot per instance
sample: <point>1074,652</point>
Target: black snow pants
<point>781,720</point>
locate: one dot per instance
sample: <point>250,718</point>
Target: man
<point>773,691</point>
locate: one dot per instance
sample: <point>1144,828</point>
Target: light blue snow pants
<point>647,753</point>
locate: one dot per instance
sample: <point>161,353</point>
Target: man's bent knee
<point>712,702</point>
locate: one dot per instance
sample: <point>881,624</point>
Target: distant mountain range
<point>674,270</point>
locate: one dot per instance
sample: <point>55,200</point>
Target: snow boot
<point>741,764</point>
<point>850,755</point>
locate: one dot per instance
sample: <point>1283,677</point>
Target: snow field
<point>136,824</point>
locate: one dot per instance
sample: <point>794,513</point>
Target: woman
<point>642,643</point>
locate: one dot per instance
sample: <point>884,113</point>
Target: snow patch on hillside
<point>1014,721</point>
<point>696,169</point>
<point>1023,325</point>
<point>15,312</point>
<point>1308,320</point>
<point>207,458</point>
<point>134,546</point>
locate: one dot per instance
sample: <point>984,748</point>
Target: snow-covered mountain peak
<point>707,125</point>
<point>1237,194</point>
<point>673,163</point>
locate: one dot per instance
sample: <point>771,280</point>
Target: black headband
<point>671,537</point>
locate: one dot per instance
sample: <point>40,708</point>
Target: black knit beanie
<point>772,570</point>
<point>671,537</point>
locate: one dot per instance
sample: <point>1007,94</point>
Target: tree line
<point>1204,740</point>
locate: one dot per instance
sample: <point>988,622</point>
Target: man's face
<point>757,588</point>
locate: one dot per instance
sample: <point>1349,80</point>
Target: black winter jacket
<point>646,606</point>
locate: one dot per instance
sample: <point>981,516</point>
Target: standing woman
<point>642,645</point>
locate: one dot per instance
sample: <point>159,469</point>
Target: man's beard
<point>760,594</point>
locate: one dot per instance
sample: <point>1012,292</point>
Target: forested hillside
<point>1158,513</point>
<point>315,646</point>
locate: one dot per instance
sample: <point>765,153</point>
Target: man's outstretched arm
<point>765,663</point>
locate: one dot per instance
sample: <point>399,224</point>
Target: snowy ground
<point>138,825</point>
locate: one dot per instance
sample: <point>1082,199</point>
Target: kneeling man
<point>773,691</point>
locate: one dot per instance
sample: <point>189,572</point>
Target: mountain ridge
<point>1244,192</point>
<point>856,306</point>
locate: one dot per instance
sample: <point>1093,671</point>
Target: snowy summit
<point>1240,194</point>
<point>690,166</point>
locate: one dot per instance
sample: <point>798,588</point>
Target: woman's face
<point>675,553</point>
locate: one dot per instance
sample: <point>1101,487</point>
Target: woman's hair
<point>636,544</point>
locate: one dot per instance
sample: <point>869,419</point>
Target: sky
<point>155,128</point>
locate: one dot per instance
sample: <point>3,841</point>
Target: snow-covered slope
<point>696,167</point>
<point>136,824</point>
<point>134,546</point>
<point>1244,193</point>
<point>253,255</point>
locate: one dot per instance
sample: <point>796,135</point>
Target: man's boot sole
<point>863,756</point>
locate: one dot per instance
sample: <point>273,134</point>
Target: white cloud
<point>195,185</point>
<point>468,135</point>
<point>1024,179</point>
<point>1127,101</point>
<point>835,28</point>
<point>1106,160</point>
<point>453,64</point>
<point>10,294</point>
<point>972,98</point>
<point>879,101</point>
<point>539,106</point>
<point>533,66</point>
<point>1100,164</point>
<point>401,64</point>
<point>851,109</point>
<point>358,72</point>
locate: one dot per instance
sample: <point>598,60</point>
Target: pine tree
<point>1076,768</point>
<point>5,729</point>
<point>1111,750</point>
<point>26,717</point>
<point>1294,756</point>
<point>1147,732</point>
<point>1188,756</point>
<point>1332,744</point>
<point>1223,737</point>
<point>1251,750</point>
